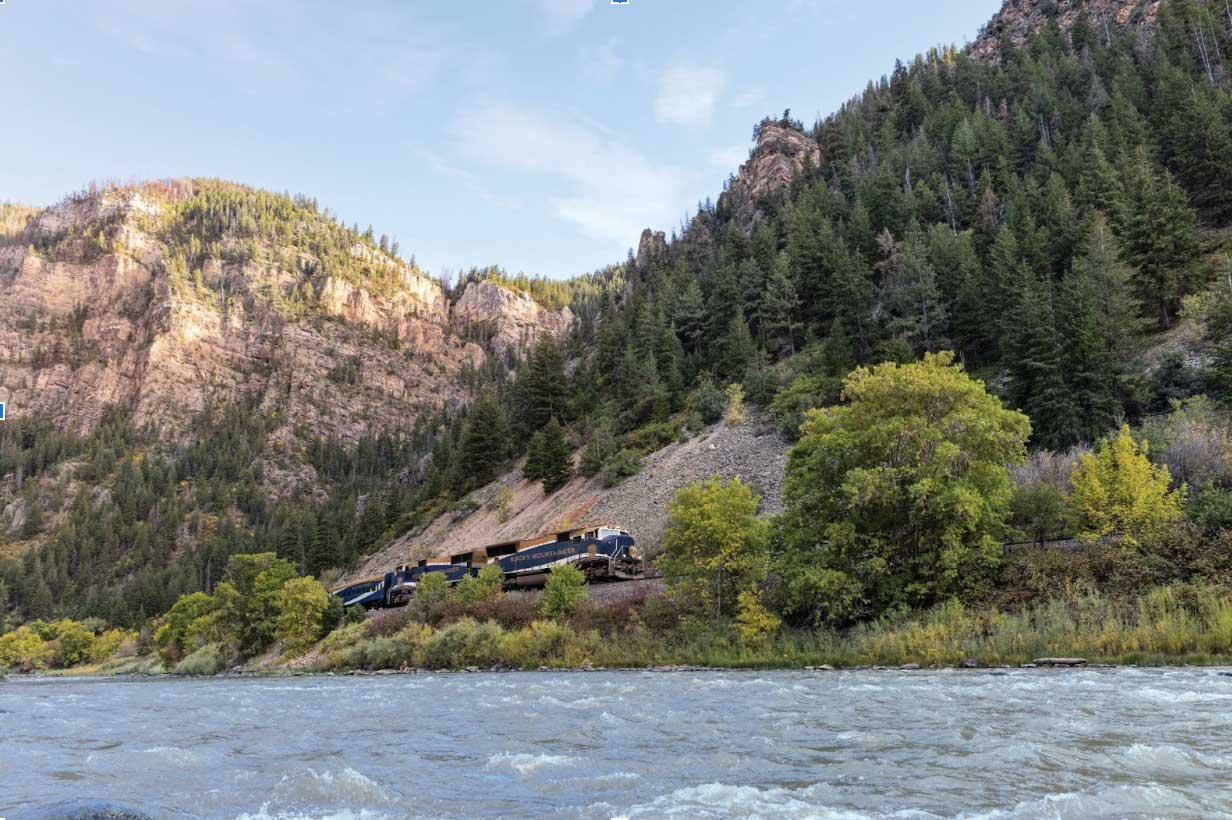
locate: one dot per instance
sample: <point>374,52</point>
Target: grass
<point>1184,624</point>
<point>1168,625</point>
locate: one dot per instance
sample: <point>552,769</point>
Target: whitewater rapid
<point>948,744</point>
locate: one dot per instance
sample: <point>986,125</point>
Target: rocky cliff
<point>781,153</point>
<point>1019,19</point>
<point>511,319</point>
<point>162,298</point>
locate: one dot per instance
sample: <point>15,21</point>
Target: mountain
<point>195,368</point>
<point>165,297</point>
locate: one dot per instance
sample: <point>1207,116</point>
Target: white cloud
<point>729,158</point>
<point>562,14</point>
<point>601,64</point>
<point>688,95</point>
<point>749,98</point>
<point>608,190</point>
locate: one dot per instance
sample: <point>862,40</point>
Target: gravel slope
<point>754,451</point>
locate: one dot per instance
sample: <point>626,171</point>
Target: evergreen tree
<point>554,458</point>
<point>485,444</point>
<point>1037,381</point>
<point>543,385</point>
<point>781,304</point>
<point>1160,232</point>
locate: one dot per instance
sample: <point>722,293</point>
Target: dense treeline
<point>1042,216</point>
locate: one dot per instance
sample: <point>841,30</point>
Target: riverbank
<point>1186,625</point>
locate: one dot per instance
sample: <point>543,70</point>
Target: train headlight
<point>635,553</point>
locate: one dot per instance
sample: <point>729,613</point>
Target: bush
<point>564,590</point>
<point>486,586</point>
<point>25,649</point>
<point>653,437</point>
<point>900,497</point>
<point>599,447</point>
<point>714,545</point>
<point>1118,492</point>
<point>432,591</point>
<point>754,622</point>
<point>73,644</point>
<point>1211,509</point>
<point>710,402</point>
<point>620,466</point>
<point>461,644</point>
<point>1039,510</point>
<point>208,660</point>
<point>501,504</point>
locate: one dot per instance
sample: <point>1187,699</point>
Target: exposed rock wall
<point>514,320</point>
<point>92,316</point>
<point>782,152</point>
<point>1022,18</point>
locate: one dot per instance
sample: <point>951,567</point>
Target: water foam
<point>525,764</point>
<point>721,800</point>
<point>346,787</point>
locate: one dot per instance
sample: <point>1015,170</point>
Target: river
<point>1016,744</point>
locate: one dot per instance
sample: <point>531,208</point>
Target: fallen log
<point>1060,661</point>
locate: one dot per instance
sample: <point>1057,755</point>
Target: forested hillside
<point>1055,212</point>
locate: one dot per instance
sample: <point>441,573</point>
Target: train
<point>602,553</point>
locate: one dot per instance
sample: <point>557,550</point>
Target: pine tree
<point>485,444</point>
<point>1037,382</point>
<point>781,304</point>
<point>544,387</point>
<point>691,316</point>
<point>1160,232</point>
<point>738,348</point>
<point>555,458</point>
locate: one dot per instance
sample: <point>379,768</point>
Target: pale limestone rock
<point>514,319</point>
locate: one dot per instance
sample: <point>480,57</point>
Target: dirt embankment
<point>753,451</point>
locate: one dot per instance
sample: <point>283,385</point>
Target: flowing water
<point>1022,744</point>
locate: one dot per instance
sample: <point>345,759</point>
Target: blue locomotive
<point>602,553</point>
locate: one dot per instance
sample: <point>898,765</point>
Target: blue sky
<point>540,135</point>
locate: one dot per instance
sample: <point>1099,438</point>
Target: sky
<point>538,135</point>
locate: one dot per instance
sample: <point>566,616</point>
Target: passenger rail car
<point>601,553</point>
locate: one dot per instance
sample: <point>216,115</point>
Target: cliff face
<point>513,320</point>
<point>161,299</point>
<point>1019,19</point>
<point>782,152</point>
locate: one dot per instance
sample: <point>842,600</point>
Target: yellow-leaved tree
<point>1118,492</point>
<point>301,617</point>
<point>715,549</point>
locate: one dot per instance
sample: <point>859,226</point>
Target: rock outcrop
<point>651,246</point>
<point>510,319</point>
<point>1019,19</point>
<point>127,298</point>
<point>782,153</point>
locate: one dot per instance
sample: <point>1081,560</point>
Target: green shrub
<point>710,402</point>
<point>564,590</point>
<point>1211,509</point>
<point>432,591</point>
<point>461,644</point>
<point>620,466</point>
<point>73,644</point>
<point>208,660</point>
<point>651,437</point>
<point>485,586</point>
